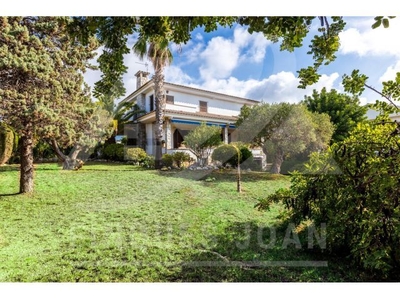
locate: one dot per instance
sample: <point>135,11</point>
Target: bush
<point>114,152</point>
<point>180,158</point>
<point>135,155</point>
<point>293,164</point>
<point>354,188</point>
<point>167,160</point>
<point>43,150</point>
<point>227,154</point>
<point>224,154</point>
<point>148,162</point>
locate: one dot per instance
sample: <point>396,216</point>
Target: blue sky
<point>232,61</point>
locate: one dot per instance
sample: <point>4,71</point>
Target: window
<point>203,106</point>
<point>170,99</point>
<point>151,102</point>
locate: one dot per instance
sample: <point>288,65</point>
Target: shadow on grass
<point>10,194</point>
<point>8,168</point>
<point>247,252</point>
<point>221,175</point>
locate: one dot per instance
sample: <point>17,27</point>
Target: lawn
<point>120,223</point>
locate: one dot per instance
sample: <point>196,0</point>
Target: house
<point>186,107</point>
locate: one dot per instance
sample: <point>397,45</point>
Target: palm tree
<point>157,51</point>
<point>121,114</point>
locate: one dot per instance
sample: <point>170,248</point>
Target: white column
<point>149,137</point>
<point>226,140</point>
<point>168,133</point>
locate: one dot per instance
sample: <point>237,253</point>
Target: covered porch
<point>178,124</point>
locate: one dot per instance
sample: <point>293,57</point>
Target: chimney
<point>141,78</point>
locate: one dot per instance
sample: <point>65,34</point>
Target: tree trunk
<point>160,106</point>
<point>277,163</point>
<point>69,162</point>
<point>26,173</point>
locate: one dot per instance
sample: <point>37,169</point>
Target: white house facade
<point>186,107</point>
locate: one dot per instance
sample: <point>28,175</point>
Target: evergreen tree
<point>41,85</point>
<point>344,111</point>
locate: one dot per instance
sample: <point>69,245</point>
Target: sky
<point>234,62</point>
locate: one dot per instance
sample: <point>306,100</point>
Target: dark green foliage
<point>381,21</point>
<point>180,158</point>
<point>224,153</point>
<point>43,150</point>
<point>228,154</point>
<point>344,110</point>
<point>167,160</point>
<point>354,188</point>
<point>114,152</point>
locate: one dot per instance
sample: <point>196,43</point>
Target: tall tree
<point>344,111</point>
<point>156,49</point>
<point>287,128</point>
<point>41,84</point>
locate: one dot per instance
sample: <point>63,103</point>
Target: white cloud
<point>231,86</point>
<point>282,87</point>
<point>191,54</point>
<point>175,75</point>
<point>390,73</point>
<point>199,37</point>
<point>363,40</point>
<point>254,45</point>
<point>220,58</point>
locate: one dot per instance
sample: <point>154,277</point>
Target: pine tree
<point>41,85</point>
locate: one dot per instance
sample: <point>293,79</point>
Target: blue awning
<point>191,122</point>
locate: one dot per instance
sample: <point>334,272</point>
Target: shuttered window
<point>203,106</point>
<point>151,102</point>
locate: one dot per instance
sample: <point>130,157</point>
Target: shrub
<point>167,160</point>
<point>293,164</point>
<point>136,155</point>
<point>227,154</point>
<point>148,162</point>
<point>354,188</point>
<point>224,153</point>
<point>114,152</point>
<point>180,158</point>
<point>43,150</point>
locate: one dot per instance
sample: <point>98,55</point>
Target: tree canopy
<point>286,128</point>
<point>344,111</point>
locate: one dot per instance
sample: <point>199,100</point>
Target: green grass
<point>119,223</point>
